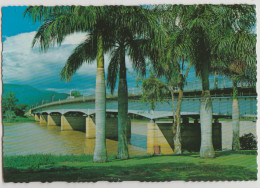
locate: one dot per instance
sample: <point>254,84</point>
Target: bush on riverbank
<point>18,119</point>
<point>248,142</point>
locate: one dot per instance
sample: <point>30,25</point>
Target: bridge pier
<point>36,117</point>
<point>90,128</point>
<point>54,119</point>
<point>159,138</point>
<point>43,118</point>
<point>65,124</point>
<point>185,120</point>
<point>73,122</point>
<point>111,128</point>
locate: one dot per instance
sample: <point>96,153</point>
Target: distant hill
<point>29,95</point>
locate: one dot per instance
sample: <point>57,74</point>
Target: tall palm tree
<point>130,37</point>
<point>125,43</point>
<point>239,61</point>
<point>58,22</point>
<point>177,51</point>
<point>240,65</point>
<point>196,21</point>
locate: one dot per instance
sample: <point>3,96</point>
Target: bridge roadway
<point>152,115</point>
<point>222,106</point>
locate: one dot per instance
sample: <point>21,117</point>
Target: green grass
<point>228,165</point>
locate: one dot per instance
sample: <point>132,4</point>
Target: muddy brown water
<point>33,138</point>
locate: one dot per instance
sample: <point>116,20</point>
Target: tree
<point>9,102</point>
<point>58,22</point>
<point>239,62</point>
<point>130,36</point>
<point>170,64</point>
<point>20,109</point>
<point>154,90</point>
<point>10,108</point>
<point>75,94</point>
<point>201,24</point>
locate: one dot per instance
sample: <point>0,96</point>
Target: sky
<point>28,66</point>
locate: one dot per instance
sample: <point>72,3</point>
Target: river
<point>33,138</point>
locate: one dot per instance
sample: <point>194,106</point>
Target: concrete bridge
<point>159,133</point>
<point>79,114</point>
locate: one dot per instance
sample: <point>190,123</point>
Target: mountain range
<point>31,96</point>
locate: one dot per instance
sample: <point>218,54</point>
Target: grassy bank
<point>189,167</point>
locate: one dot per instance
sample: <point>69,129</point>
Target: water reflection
<point>32,138</point>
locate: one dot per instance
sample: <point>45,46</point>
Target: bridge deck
<point>147,114</point>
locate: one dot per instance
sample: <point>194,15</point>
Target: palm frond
<point>113,69</point>
<point>84,52</point>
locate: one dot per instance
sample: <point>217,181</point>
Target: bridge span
<point>79,114</point>
<point>159,133</point>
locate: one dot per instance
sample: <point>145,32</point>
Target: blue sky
<point>14,23</point>
<point>24,65</point>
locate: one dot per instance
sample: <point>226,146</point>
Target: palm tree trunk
<point>122,109</point>
<point>100,152</point>
<point>235,119</point>
<point>206,147</point>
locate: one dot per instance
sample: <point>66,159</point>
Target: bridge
<point>78,114</point>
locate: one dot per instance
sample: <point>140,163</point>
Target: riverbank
<point>19,119</point>
<point>229,165</point>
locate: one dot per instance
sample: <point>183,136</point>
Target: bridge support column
<point>159,138</point>
<point>217,134</point>
<point>54,120</point>
<point>196,121</point>
<point>151,137</point>
<point>90,128</point>
<point>65,125</point>
<point>36,117</point>
<point>43,118</point>
<point>112,128</point>
<point>185,120</point>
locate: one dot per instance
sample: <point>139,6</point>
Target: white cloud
<point>25,65</point>
<point>22,63</point>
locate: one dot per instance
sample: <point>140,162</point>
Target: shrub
<point>248,142</point>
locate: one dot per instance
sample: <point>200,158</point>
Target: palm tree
<point>196,22</point>
<point>239,61</point>
<point>58,22</point>
<point>240,65</point>
<point>177,51</point>
<point>130,37</point>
